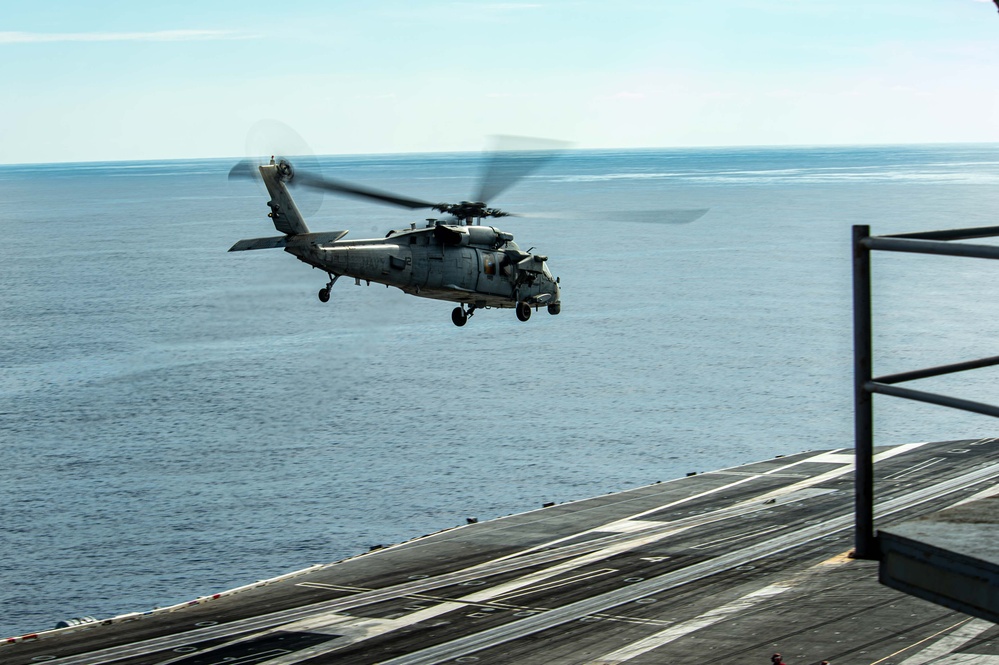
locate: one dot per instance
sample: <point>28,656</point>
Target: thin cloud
<point>156,36</point>
<point>501,6</point>
<point>626,94</point>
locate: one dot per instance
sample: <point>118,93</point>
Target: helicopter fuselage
<point>479,266</point>
<point>473,265</point>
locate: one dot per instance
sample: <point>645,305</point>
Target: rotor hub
<point>467,210</point>
<point>285,170</point>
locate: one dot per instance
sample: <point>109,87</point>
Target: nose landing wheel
<point>523,311</point>
<point>460,316</point>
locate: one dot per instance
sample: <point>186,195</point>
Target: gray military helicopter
<point>454,258</point>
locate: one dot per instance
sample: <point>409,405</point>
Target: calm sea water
<point>176,420</point>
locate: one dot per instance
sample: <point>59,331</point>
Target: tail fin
<point>287,219</point>
<point>285,215</point>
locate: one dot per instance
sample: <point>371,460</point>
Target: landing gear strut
<point>324,293</point>
<point>459,316</point>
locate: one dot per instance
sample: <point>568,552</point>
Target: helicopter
<point>453,258</point>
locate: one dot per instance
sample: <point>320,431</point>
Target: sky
<point>103,80</point>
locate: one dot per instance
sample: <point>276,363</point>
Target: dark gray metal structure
<point>866,385</point>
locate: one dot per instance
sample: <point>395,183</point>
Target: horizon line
<point>749,146</point>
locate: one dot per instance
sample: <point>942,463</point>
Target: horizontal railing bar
<point>950,234</point>
<point>933,398</point>
<point>887,244</point>
<point>901,377</point>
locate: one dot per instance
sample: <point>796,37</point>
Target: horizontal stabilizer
<point>278,242</point>
<point>260,243</point>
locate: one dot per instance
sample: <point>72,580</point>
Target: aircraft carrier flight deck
<point>728,566</point>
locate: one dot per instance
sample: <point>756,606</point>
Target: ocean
<point>176,420</point>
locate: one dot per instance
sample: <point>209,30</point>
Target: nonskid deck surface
<point>722,567</point>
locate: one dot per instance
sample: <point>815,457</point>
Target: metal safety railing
<point>866,385</point>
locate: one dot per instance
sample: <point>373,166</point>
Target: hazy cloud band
<point>157,36</point>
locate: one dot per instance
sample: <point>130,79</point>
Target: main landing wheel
<point>555,309</point>
<point>523,311</point>
<point>458,316</point>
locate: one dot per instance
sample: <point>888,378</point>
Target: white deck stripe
<point>711,617</point>
<point>947,644</point>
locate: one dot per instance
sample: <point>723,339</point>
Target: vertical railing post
<point>865,545</point>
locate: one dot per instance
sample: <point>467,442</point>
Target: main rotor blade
<point>513,158</point>
<point>662,216</point>
<point>348,189</point>
<point>666,216</point>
